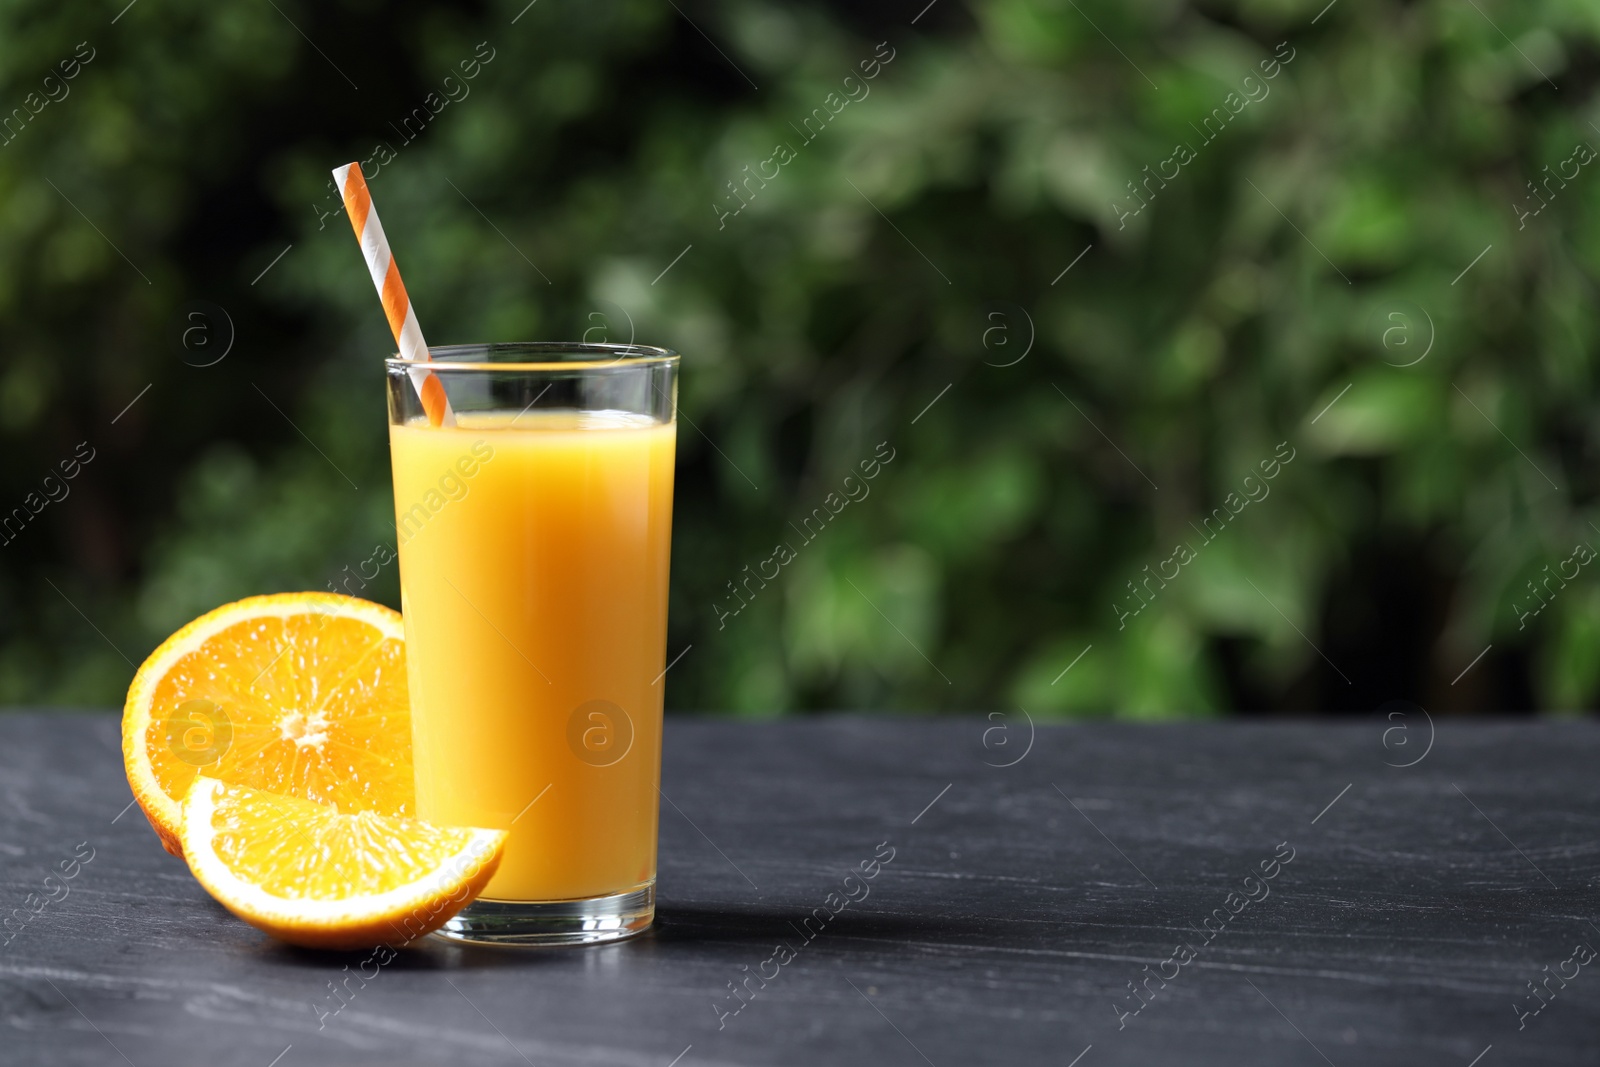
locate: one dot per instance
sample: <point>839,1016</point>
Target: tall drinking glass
<point>534,538</point>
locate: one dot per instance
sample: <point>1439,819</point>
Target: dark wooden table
<point>1408,910</point>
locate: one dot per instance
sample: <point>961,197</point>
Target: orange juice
<point>533,567</point>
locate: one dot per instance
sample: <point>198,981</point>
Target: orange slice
<point>302,694</point>
<point>311,876</point>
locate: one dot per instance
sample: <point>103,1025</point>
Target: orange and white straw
<point>396,304</point>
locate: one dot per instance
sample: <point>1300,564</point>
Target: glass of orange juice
<point>534,538</point>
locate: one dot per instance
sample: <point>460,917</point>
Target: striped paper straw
<point>396,304</point>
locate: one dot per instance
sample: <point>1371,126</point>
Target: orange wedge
<point>311,876</point>
<point>302,694</point>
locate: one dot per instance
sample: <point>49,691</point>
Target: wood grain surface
<point>1408,914</point>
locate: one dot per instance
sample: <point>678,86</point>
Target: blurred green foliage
<point>903,279</point>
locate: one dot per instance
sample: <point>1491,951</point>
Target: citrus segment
<point>297,693</point>
<point>310,875</point>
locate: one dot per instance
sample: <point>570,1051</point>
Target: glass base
<point>557,922</point>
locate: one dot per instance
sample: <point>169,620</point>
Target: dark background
<point>1345,269</point>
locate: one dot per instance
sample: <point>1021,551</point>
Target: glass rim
<point>572,356</point>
